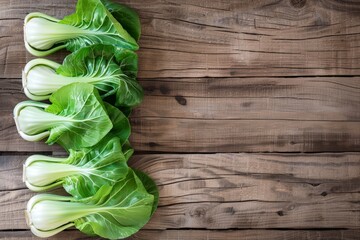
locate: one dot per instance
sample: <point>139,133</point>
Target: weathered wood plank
<point>207,235</point>
<point>11,172</point>
<point>198,135</point>
<point>221,191</point>
<point>217,38</point>
<point>331,98</point>
<point>247,235</point>
<point>228,115</point>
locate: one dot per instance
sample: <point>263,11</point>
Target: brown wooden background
<point>250,124</point>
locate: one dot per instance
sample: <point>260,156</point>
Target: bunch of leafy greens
<point>109,199</point>
<point>114,212</point>
<point>112,71</point>
<point>92,23</point>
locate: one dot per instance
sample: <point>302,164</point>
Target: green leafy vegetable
<point>76,118</point>
<point>112,71</point>
<point>113,212</point>
<point>127,150</point>
<point>82,173</point>
<point>92,23</point>
<point>121,126</point>
<point>150,187</point>
<point>126,16</point>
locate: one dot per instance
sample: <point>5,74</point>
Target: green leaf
<point>103,164</point>
<point>150,187</point>
<point>121,212</point>
<point>112,71</point>
<point>121,125</point>
<point>102,27</point>
<point>99,61</point>
<point>127,150</point>
<point>126,16</point>
<point>91,24</point>
<point>88,121</point>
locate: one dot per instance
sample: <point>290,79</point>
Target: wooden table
<point>250,124</point>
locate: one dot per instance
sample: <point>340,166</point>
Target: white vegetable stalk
<point>43,33</point>
<point>42,173</point>
<point>40,80</point>
<point>48,214</point>
<point>32,122</point>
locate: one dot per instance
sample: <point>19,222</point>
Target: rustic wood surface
<point>208,235</point>
<point>229,191</point>
<point>271,86</point>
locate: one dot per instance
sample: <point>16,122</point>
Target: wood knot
<point>246,104</point>
<point>198,213</point>
<point>298,3</point>
<point>181,100</point>
<point>149,89</point>
<point>164,90</point>
<point>153,144</point>
<point>230,210</point>
<point>280,213</point>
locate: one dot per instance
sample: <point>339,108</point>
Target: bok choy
<point>91,23</point>
<point>77,117</point>
<point>91,95</point>
<point>114,212</point>
<point>112,71</point>
<point>82,173</point>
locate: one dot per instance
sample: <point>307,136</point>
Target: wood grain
<point>219,39</point>
<point>193,135</point>
<point>222,191</point>
<point>228,115</point>
<point>206,235</point>
<point>326,99</point>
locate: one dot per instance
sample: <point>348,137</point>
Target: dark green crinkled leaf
<point>126,16</point>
